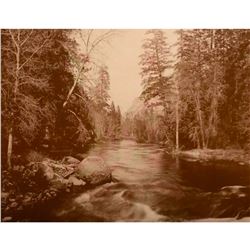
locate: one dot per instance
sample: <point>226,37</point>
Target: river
<point>151,185</point>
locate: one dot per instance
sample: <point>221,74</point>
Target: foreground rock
<point>231,201</point>
<point>62,175</point>
<point>39,183</point>
<point>94,171</point>
<point>76,182</point>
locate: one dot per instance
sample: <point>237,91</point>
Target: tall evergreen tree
<point>155,61</point>
<point>208,74</point>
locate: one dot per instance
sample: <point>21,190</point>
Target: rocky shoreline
<point>48,180</point>
<point>237,156</point>
<point>47,183</point>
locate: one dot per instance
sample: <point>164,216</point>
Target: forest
<point>54,95</point>
<point>198,95</point>
<point>56,104</point>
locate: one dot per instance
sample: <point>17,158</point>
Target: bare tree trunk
<point>212,126</point>
<point>17,43</point>
<point>177,119</point>
<point>199,118</point>
<point>198,104</point>
<point>201,124</point>
<point>201,128</point>
<point>10,136</point>
<point>73,86</point>
<point>9,150</point>
<point>198,142</point>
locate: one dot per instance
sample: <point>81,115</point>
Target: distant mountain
<point>139,107</point>
<point>136,107</point>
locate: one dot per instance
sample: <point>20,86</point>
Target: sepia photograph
<point>125,125</point>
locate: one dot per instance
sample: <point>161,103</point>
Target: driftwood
<point>67,174</point>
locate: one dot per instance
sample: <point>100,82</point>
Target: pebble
<point>14,204</point>
<point>8,218</point>
<point>27,199</point>
<point>48,195</point>
<point>20,208</point>
<point>4,195</point>
<point>40,196</point>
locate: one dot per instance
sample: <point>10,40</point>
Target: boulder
<point>75,181</point>
<point>94,171</point>
<point>47,171</point>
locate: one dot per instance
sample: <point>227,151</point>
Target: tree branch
<point>13,39</point>
<point>99,40</point>
<point>38,48</point>
<point>79,120</point>
<point>80,97</point>
<point>89,35</point>
<point>26,39</point>
<point>73,86</point>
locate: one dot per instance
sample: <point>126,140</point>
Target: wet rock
<point>76,182</point>
<point>234,190</point>
<point>94,171</point>
<point>231,201</point>
<point>83,198</point>
<point>14,204</point>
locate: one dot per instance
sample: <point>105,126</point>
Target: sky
<point>122,59</point>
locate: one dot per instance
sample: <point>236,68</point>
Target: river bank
<point>237,156</point>
<point>150,185</point>
<point>38,186</point>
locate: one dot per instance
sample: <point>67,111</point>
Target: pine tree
<point>100,99</point>
<point>208,74</point>
<point>156,72</point>
<point>155,61</point>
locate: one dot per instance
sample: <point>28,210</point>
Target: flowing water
<point>153,186</point>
